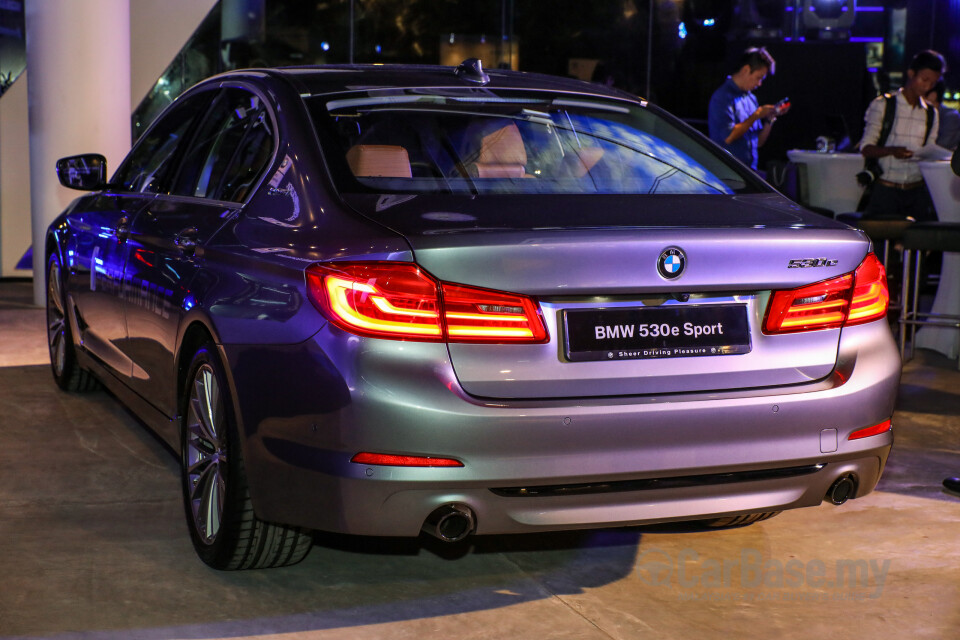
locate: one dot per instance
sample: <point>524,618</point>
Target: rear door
<point>217,172</point>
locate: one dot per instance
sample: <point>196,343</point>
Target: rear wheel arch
<point>196,335</point>
<point>224,528</point>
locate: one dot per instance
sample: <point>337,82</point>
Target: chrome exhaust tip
<point>450,523</point>
<point>841,490</point>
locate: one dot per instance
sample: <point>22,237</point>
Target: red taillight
<point>849,299</point>
<point>387,460</point>
<point>479,315</point>
<point>823,305</point>
<point>401,301</point>
<point>871,298</point>
<point>866,432</point>
<point>377,299</point>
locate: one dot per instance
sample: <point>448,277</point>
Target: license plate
<point>680,331</point>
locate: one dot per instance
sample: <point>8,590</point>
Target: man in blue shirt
<point>737,121</point>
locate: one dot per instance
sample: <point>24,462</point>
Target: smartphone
<point>782,105</point>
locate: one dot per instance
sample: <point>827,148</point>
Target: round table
<point>831,179</point>
<point>944,189</point>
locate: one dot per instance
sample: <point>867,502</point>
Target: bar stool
<point>890,234</point>
<point>919,238</point>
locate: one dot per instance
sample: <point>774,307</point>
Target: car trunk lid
<point>597,283</point>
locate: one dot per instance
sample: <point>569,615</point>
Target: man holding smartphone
<point>899,192</point>
<point>737,121</point>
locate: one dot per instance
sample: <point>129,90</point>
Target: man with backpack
<point>896,126</point>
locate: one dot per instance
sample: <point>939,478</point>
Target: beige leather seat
<point>379,161</point>
<point>502,154</point>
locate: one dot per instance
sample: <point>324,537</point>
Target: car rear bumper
<point>304,418</point>
<point>405,508</point>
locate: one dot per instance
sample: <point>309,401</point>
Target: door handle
<point>186,240</point>
<point>123,228</point>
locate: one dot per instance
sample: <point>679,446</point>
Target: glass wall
<point>674,52</point>
<point>197,60</point>
<point>604,40</point>
<point>13,57</point>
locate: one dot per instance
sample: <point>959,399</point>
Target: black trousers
<point>890,203</point>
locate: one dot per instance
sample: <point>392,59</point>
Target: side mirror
<point>87,172</point>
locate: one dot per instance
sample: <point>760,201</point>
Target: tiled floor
<point>94,546</point>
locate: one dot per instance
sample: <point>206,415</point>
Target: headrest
<point>503,146</point>
<point>379,161</point>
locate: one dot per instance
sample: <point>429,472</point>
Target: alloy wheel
<point>56,321</point>
<point>206,454</point>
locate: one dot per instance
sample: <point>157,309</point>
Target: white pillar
<point>78,59</point>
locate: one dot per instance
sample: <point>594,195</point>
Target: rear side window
<point>249,160</point>
<point>230,150</point>
<point>152,158</point>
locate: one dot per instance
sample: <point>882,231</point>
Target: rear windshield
<point>498,141</point>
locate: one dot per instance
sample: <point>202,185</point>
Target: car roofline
<point>341,78</point>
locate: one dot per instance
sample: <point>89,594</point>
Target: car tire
<point>739,521</point>
<point>226,533</point>
<point>67,373</point>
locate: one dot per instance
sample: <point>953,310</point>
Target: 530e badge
<point>804,263</point>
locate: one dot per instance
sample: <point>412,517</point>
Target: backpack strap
<point>889,113</point>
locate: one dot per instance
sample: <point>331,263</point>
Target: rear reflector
<point>866,432</point>
<point>383,459</point>
<point>853,298</point>
<point>400,300</point>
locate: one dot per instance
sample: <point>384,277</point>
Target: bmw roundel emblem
<point>671,262</point>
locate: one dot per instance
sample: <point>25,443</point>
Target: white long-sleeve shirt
<point>909,127</point>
